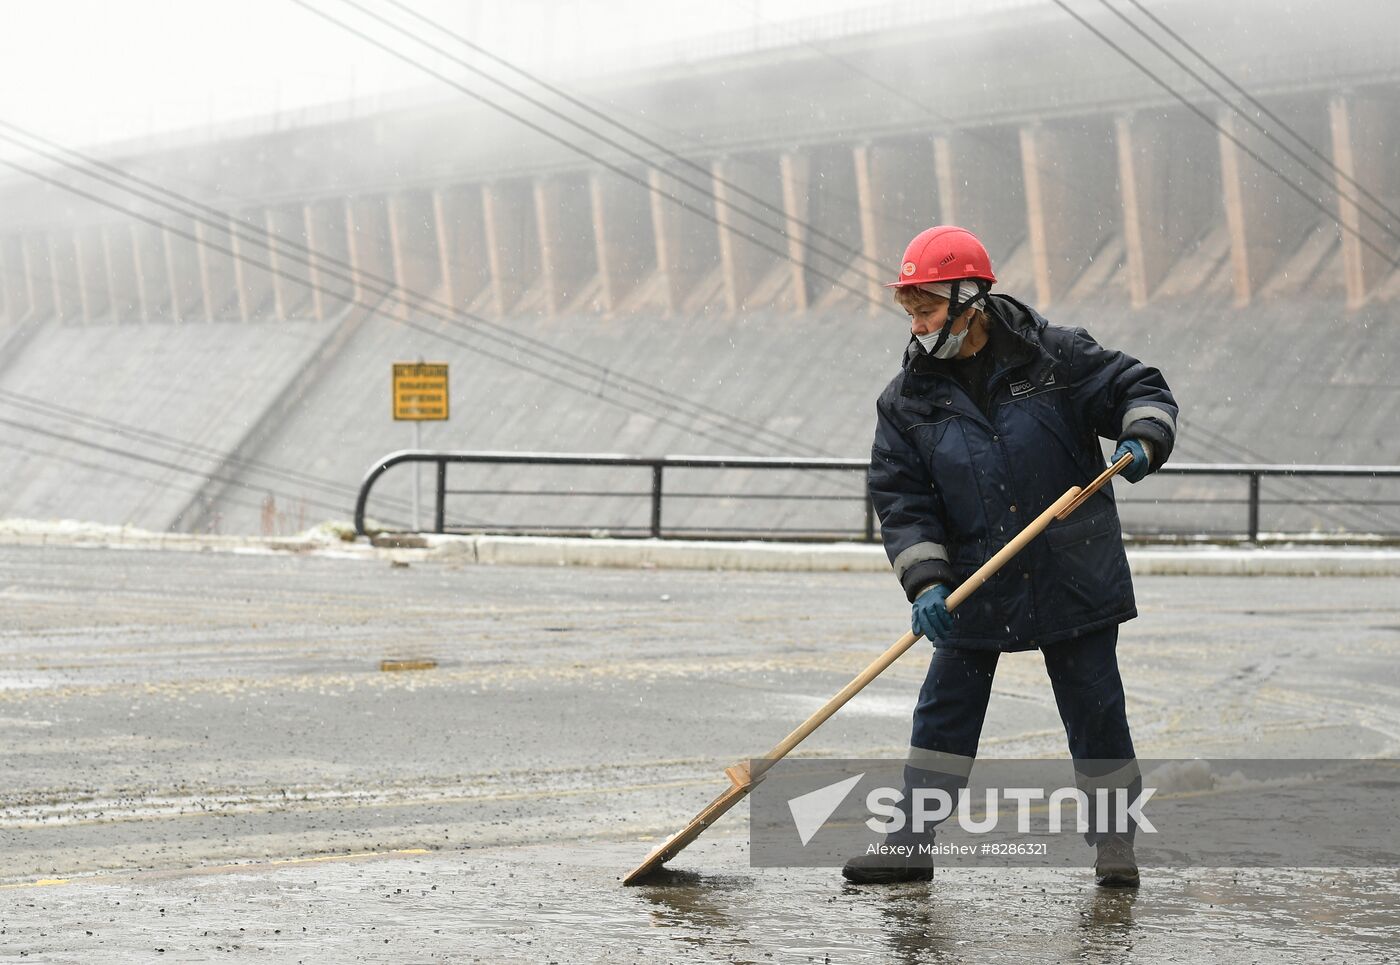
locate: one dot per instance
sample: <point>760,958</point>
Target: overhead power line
<point>337,294</point>
<point>229,252</point>
<point>1214,124</point>
<point>1263,109</point>
<point>51,456</point>
<point>904,95</point>
<point>707,193</point>
<point>163,463</point>
<point>1297,158</point>
<point>552,377</point>
<point>807,226</point>
<point>387,288</point>
<point>180,447</point>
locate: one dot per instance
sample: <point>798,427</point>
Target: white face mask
<point>950,348</point>
<point>954,344</point>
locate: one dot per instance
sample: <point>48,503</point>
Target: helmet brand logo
<point>943,253</point>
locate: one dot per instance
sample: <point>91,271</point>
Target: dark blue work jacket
<point>952,483</point>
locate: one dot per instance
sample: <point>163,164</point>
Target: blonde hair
<point>913,298</point>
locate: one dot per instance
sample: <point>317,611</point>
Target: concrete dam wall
<point>207,347</point>
<point>1287,382</point>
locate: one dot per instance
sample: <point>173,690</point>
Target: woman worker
<point>993,415</point>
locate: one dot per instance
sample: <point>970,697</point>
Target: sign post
<point>420,395</point>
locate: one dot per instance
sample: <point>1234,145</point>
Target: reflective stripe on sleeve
<point>918,553</point>
<point>1149,412</point>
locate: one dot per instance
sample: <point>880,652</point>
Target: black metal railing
<point>657,467</point>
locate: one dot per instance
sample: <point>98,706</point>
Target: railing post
<point>656,500</point>
<point>1254,507</point>
<point>440,520</point>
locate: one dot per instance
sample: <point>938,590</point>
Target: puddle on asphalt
<point>991,915</point>
<point>714,907</point>
<point>567,904</point>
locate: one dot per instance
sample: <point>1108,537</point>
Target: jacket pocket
<point>1090,567</point>
<point>1045,408</point>
<point>943,446</point>
<point>934,420</point>
<point>1075,532</point>
<point>928,438</point>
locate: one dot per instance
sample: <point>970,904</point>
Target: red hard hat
<point>943,254</point>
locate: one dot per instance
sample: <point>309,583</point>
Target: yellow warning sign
<point>420,391</point>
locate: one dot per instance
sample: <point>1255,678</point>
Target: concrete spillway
<point>1287,382</point>
<point>740,275</point>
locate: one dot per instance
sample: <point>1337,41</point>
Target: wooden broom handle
<point>1097,484</point>
<point>983,574</point>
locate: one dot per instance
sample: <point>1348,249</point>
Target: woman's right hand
<point>931,617</point>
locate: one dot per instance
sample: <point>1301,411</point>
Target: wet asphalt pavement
<point>201,759</point>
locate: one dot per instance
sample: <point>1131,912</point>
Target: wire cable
<point>103,467</point>
<point>180,447</point>
<point>314,260</point>
<point>1213,441</point>
<point>198,241</point>
<point>163,464</point>
<point>551,377</point>
<point>1263,109</point>
<point>295,279</point>
<point>1298,159</point>
<point>998,150</point>
<point>596,158</point>
<point>1394,262</point>
<point>607,119</point>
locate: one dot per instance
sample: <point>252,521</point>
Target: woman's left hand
<point>1142,459</point>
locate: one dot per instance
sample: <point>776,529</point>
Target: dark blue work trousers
<point>953,704</point>
<point>1083,673</point>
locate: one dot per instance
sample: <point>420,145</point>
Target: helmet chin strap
<point>956,308</point>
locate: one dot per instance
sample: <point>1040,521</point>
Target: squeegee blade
<point>682,838</point>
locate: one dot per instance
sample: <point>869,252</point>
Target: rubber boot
<point>1116,865</point>
<point>900,859</point>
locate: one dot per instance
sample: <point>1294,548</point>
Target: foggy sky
<point>88,71</point>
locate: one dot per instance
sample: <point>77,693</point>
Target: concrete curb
<point>865,558</point>
<point>1270,561</point>
<point>179,542</point>
<point>686,554</point>
<point>681,554</point>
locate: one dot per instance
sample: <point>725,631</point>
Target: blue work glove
<point>1137,469</point>
<point>931,616</point>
